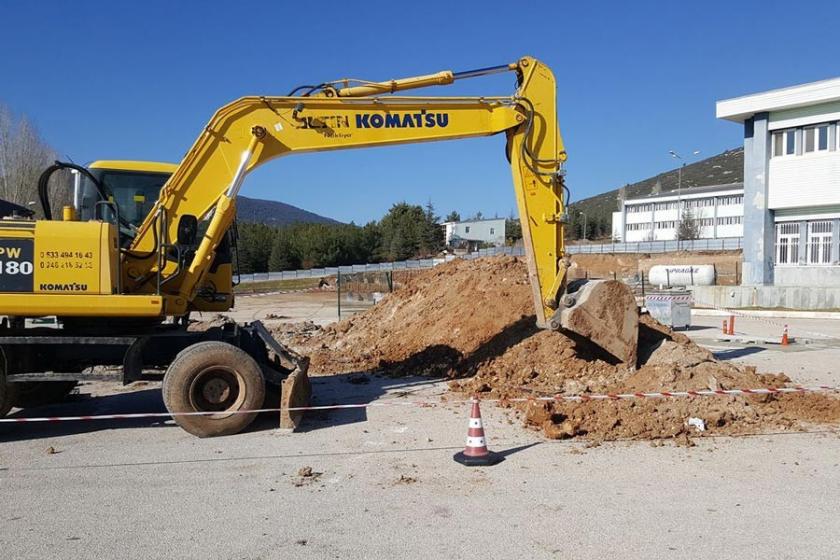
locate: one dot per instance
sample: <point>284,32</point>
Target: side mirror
<point>187,230</point>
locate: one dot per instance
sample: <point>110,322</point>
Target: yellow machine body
<point>66,269</point>
<point>53,257</point>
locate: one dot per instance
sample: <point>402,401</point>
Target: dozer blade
<point>603,312</point>
<point>295,389</point>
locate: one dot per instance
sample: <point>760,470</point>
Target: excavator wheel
<point>603,312</point>
<point>214,377</point>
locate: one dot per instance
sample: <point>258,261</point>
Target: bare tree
<point>688,227</point>
<point>622,196</point>
<point>657,187</point>
<point>23,156</point>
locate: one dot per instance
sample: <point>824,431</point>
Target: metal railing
<point>640,247</point>
<point>723,244</point>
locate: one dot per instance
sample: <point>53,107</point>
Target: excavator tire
<point>31,394</point>
<point>215,377</point>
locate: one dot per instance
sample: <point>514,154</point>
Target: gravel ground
<point>384,484</point>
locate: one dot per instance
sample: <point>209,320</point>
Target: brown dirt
<point>472,321</point>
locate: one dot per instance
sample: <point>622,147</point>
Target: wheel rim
<point>217,389</point>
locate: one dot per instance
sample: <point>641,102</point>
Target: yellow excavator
<point>141,248</point>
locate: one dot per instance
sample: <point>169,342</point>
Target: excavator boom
<point>357,114</point>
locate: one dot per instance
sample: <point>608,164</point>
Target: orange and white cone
<point>476,453</point>
<point>731,325</point>
<point>785,341</point>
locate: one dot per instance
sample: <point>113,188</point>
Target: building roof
<point>474,221</point>
<point>689,192</point>
<point>131,165</point>
<point>739,109</point>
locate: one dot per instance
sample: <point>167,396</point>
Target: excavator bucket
<point>603,312</point>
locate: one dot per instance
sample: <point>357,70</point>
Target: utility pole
<point>584,225</point>
<point>675,155</point>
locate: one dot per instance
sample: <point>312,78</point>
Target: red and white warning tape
<point>428,404</point>
<point>746,315</point>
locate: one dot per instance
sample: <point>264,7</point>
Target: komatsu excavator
<point>121,274</point>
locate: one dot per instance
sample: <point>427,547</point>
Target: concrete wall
<point>759,229</point>
<point>809,298</point>
<point>807,276</point>
<point>618,226</point>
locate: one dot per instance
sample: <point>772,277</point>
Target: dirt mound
<point>435,324</point>
<point>473,321</point>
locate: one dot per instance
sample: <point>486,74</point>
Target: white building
<point>490,231</point>
<point>791,183</point>
<point>718,210</point>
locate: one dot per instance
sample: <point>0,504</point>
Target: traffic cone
<point>785,337</point>
<point>725,329</point>
<point>731,325</point>
<point>476,454</point>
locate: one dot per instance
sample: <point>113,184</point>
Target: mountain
<point>273,213</point>
<point>724,168</point>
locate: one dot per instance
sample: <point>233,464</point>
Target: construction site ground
<point>365,482</point>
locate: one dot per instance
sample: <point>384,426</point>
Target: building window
<point>787,243</point>
<point>784,142</point>
<point>492,231</point>
<point>819,242</point>
<point>636,208</point>
<point>815,138</point>
<point>700,203</point>
<point>809,142</point>
<point>673,205</point>
<point>466,229</point>
<point>729,221</point>
<point>668,224</point>
<point>731,200</point>
<point>822,138</point>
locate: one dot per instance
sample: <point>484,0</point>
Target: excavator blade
<point>603,312</point>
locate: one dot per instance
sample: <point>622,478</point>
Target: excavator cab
<point>134,187</point>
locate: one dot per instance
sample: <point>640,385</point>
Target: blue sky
<point>138,80</point>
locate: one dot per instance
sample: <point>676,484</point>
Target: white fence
<point>640,247</point>
<point>724,244</point>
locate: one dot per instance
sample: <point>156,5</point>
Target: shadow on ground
<point>352,388</point>
<point>139,401</point>
<point>734,353</point>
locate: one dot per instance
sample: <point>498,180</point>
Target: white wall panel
<point>808,180</point>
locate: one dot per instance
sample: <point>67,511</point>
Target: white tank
<point>682,275</point>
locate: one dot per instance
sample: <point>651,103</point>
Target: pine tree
<point>688,227</point>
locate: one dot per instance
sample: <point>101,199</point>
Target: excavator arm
<point>354,114</point>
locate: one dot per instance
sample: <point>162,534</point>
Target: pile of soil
<point>473,321</point>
